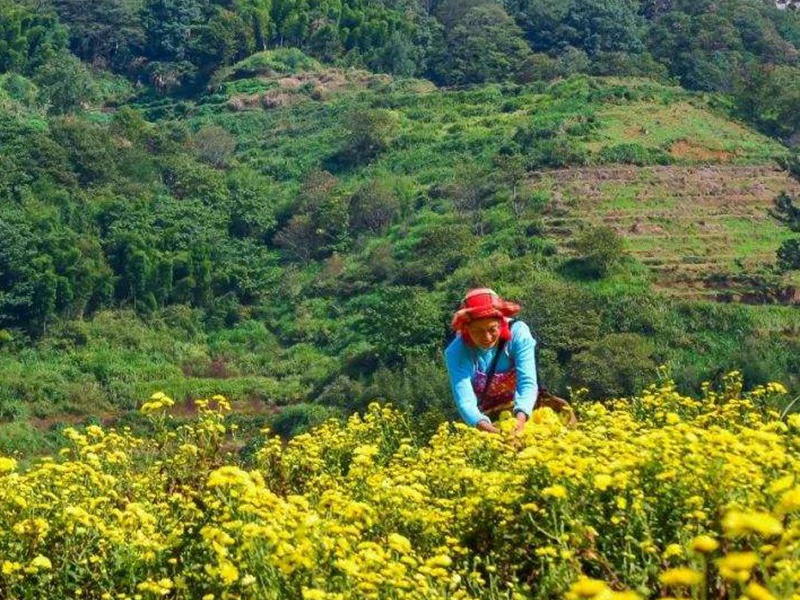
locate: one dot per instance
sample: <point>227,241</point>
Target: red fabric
<point>499,396</point>
<point>483,303</point>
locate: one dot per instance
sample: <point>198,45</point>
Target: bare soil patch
<point>683,149</point>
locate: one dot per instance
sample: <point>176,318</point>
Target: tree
<point>603,26</point>
<point>786,211</point>
<point>483,44</point>
<point>299,238</point>
<point>617,365</point>
<point>104,32</point>
<point>367,134</point>
<point>373,208</point>
<point>403,322</point>
<point>789,255</point>
<point>257,14</point>
<point>221,39</point>
<point>252,202</point>
<point>564,317</point>
<point>169,28</point>
<point>769,96</point>
<point>600,248</point>
<point>437,251</point>
<point>214,145</point>
<point>511,170</point>
<point>65,84</point>
<point>28,38</point>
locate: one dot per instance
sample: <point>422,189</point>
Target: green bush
<point>617,365</point>
<point>599,249</point>
<point>299,418</point>
<point>634,154</point>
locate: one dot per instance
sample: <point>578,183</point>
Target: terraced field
<point>699,228</point>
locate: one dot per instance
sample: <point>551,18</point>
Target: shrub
<point>789,255</point>
<point>617,365</point>
<point>600,249</point>
<point>634,154</point>
<point>299,418</point>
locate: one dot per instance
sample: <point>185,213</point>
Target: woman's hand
<point>522,418</point>
<point>486,425</point>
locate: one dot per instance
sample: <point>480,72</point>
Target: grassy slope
<point>683,222</point>
<point>438,137</point>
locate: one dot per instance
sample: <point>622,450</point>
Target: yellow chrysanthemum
<point>755,591</point>
<point>42,563</point>
<point>555,491</point>
<point>680,576</point>
<point>587,588</point>
<point>737,523</point>
<point>7,464</point>
<point>704,544</point>
<point>737,566</point>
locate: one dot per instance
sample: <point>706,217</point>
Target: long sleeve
<point>460,368</point>
<point>523,352</point>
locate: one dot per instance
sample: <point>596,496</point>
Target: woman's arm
<point>460,368</point>
<point>523,352</point>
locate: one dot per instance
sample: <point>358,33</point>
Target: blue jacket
<point>464,361</point>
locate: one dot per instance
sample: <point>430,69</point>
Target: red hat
<point>482,303</point>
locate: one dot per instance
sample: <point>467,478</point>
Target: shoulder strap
<point>493,367</point>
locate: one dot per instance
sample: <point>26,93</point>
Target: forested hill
<point>744,48</point>
<point>283,202</point>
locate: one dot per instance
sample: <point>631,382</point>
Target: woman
<point>486,335</point>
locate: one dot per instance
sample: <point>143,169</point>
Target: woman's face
<point>484,332</point>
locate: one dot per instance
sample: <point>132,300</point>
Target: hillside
<point>262,241</point>
<point>699,229</point>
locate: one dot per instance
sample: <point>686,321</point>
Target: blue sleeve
<point>523,351</point>
<point>460,368</point>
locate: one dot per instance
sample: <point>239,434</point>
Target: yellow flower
<point>441,560</point>
<point>7,464</point>
<point>736,566</point>
<point>587,588</point>
<point>777,388</point>
<point>229,476</point>
<point>757,592</point>
<point>789,502</point>
<point>555,491</point>
<point>602,481</point>
<point>704,544</point>
<point>781,484</point>
<point>680,576</point>
<point>626,595</point>
<point>228,573</point>
<point>399,543</point>
<point>42,563</point>
<point>736,523</point>
<point>10,567</point>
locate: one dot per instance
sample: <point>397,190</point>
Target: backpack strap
<point>493,367</point>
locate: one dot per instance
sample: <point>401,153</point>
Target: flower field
<point>656,496</point>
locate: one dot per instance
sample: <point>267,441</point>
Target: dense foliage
<point>747,48</point>
<point>313,251</point>
<point>193,197</point>
<point>665,494</point>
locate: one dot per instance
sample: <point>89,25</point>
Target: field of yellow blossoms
<point>655,496</point>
